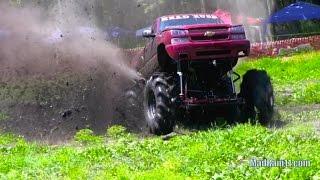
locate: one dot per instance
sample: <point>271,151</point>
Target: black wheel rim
<point>151,105</point>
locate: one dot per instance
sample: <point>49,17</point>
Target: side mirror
<point>148,34</point>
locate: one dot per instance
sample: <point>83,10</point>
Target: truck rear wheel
<point>158,107</point>
<point>257,90</point>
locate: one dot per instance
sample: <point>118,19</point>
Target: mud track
<point>53,110</point>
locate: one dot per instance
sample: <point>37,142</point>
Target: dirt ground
<point>54,108</point>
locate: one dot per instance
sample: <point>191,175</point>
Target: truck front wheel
<point>158,107</point>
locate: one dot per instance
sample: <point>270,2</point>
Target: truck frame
<point>189,62</point>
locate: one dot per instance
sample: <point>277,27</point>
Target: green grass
<point>296,79</point>
<point>223,153</point>
<point>213,154</point>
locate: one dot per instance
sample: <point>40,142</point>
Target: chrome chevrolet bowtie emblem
<point>209,34</point>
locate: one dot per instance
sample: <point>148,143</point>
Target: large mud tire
<point>257,90</point>
<point>159,109</point>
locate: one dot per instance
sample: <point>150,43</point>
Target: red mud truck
<point>188,63</point>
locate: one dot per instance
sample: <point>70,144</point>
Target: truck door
<point>149,62</point>
<point>153,47</point>
<point>150,49</point>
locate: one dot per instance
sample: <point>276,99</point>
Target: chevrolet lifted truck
<point>189,61</point>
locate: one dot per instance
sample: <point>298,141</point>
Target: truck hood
<point>198,26</point>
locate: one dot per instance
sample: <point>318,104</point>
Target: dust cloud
<point>250,8</point>
<point>38,44</point>
<point>44,47</point>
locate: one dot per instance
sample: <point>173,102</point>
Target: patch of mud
<point>129,111</point>
<point>59,108</point>
<point>301,108</point>
<point>299,114</point>
<point>54,111</point>
<point>317,127</point>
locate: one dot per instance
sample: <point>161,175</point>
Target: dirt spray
<point>35,44</point>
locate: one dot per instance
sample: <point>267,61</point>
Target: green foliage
<point>116,131</point>
<point>7,139</point>
<point>224,153</point>
<point>86,136</point>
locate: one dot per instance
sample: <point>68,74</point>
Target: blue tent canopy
<point>295,12</point>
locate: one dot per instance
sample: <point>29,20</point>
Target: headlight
<point>179,40</point>
<point>237,29</point>
<point>237,33</point>
<point>238,36</point>
<point>179,33</point>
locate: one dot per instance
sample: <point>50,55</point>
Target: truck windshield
<point>174,21</point>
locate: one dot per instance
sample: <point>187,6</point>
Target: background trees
<point>136,14</point>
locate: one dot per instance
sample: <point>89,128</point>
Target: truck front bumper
<point>213,50</point>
